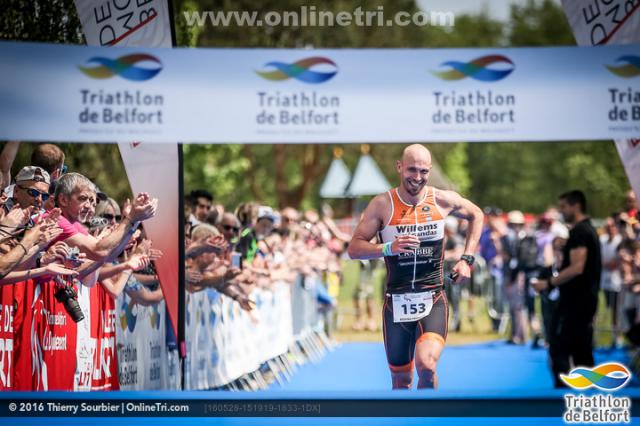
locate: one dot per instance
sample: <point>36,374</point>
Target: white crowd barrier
<point>143,361</point>
<point>224,342</point>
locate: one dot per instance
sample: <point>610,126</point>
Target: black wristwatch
<point>468,258</point>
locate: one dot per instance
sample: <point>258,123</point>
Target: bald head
<point>414,169</point>
<point>416,152</point>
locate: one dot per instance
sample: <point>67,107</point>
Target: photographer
<point>578,281</point>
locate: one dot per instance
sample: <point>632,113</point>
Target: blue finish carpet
<point>494,366</point>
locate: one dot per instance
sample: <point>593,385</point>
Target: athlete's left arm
<point>451,202</point>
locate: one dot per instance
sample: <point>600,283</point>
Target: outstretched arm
<point>101,249</point>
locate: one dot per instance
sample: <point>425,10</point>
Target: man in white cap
<point>31,189</point>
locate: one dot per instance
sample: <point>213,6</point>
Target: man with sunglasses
<point>229,227</point>
<point>31,189</point>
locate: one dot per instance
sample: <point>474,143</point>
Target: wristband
<point>386,249</point>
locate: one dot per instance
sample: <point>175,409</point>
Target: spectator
<point>201,201</point>
<point>578,281</point>
<point>549,297</point>
<point>513,243</point>
<point>229,227</point>
<point>50,158</point>
<point>31,189</point>
<point>110,211</point>
<point>212,217</point>
<point>631,207</point>
<point>628,255</point>
<point>248,244</point>
<point>491,250</point>
<point>247,214</point>
<point>76,196</point>
<point>544,237</point>
<point>611,282</point>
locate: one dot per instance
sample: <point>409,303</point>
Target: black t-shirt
<point>579,296</point>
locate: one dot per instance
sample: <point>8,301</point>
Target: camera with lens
<point>66,295</point>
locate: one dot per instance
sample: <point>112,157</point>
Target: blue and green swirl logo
<point>630,66</point>
<point>124,66</point>
<point>300,70</point>
<point>478,69</point>
<point>609,377</point>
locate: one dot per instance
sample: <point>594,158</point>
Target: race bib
<point>411,306</point>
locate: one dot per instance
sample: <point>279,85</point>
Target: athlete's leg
<point>432,332</point>
<point>428,350</point>
<point>399,344</point>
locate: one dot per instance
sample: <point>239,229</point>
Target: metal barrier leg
<point>260,380</point>
<point>328,343</point>
<point>305,352</point>
<point>277,371</point>
<point>287,366</point>
<point>318,344</point>
<point>314,352</point>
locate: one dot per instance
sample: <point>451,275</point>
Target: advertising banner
<point>82,94</point>
<point>141,345</point>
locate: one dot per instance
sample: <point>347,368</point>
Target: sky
<point>498,9</point>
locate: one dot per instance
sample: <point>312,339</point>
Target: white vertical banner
<point>125,22</point>
<point>597,22</point>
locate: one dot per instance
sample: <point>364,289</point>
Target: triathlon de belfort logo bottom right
<point>597,407</point>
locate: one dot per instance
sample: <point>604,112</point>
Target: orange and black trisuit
<point>416,272</point>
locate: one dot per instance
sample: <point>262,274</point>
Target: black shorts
<point>400,338</point>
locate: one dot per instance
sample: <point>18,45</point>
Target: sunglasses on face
<point>35,193</point>
<point>231,228</point>
<point>116,217</point>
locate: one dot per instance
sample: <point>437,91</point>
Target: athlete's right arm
<point>372,221</point>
